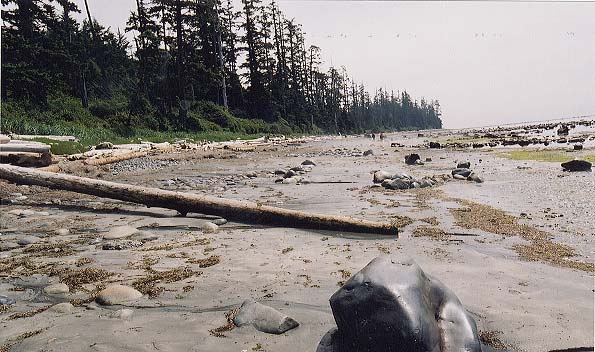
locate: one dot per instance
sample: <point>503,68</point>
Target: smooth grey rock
<point>6,301</point>
<point>209,227</point>
<point>459,177</point>
<point>62,308</point>
<point>280,172</point>
<point>464,165</point>
<point>368,152</point>
<point>62,232</point>
<point>56,289</point>
<point>120,232</point>
<point>252,174</point>
<point>124,314</point>
<point>391,305</point>
<point>461,171</point>
<point>380,176</point>
<point>289,174</point>
<point>8,246</point>
<point>263,318</point>
<point>290,180</point>
<point>219,221</point>
<point>28,240</point>
<point>308,162</point>
<point>395,184</point>
<point>116,294</point>
<point>475,178</point>
<point>577,165</point>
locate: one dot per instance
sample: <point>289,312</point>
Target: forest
<point>183,66</point>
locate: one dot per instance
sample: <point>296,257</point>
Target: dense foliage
<point>194,65</point>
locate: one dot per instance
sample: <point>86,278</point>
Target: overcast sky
<point>486,62</point>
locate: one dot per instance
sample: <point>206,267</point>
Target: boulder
<point>464,165</point>
<point>280,172</point>
<point>475,178</point>
<point>392,305</point>
<point>434,145</point>
<point>368,152</point>
<point>395,184</point>
<point>577,165</point>
<point>462,172</point>
<point>380,176</point>
<point>56,289</point>
<point>62,308</point>
<point>290,173</point>
<point>263,318</point>
<point>412,159</point>
<point>578,146</point>
<point>4,139</point>
<point>117,294</point>
<point>308,162</point>
<point>209,227</point>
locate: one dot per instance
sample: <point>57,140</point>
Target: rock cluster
<point>463,172</point>
<point>295,175</point>
<point>403,180</point>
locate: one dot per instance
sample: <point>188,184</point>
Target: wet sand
<point>533,305</point>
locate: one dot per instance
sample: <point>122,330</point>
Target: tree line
<point>191,65</point>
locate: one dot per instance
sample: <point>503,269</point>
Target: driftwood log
<point>233,210</point>
<point>105,160</point>
<point>26,159</point>
<point>13,146</point>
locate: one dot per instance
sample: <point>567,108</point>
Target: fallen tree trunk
<point>26,159</point>
<point>25,147</point>
<point>233,210</point>
<point>115,158</point>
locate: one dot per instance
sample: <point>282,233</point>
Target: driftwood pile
<point>24,153</point>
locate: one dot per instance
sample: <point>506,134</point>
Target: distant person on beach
<point>381,136</point>
<point>373,136</point>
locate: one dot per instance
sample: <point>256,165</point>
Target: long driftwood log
<point>234,210</point>
<point>25,147</point>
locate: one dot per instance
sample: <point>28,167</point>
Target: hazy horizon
<point>487,63</point>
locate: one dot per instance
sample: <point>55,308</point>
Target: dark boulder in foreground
<point>577,165</point>
<point>434,145</point>
<point>391,305</point>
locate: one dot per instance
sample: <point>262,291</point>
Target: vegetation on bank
<point>549,155</point>
<point>205,68</point>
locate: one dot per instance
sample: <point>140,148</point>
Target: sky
<point>487,63</point>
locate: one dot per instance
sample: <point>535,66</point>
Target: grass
<point>549,155</point>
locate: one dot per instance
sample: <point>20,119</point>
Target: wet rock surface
<point>392,305</point>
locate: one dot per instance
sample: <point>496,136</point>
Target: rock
<point>62,232</point>
<point>459,177</point>
<point>219,221</point>
<point>475,178</point>
<point>124,314</point>
<point>56,289</point>
<point>280,172</point>
<point>209,227</point>
<point>380,176</point>
<point>23,213</point>
<point>120,232</point>
<point>6,301</point>
<point>28,240</point>
<point>576,165</point>
<point>392,305</point>
<point>289,174</point>
<point>104,145</point>
<point>434,145</point>
<point>578,146</point>
<point>308,162</point>
<point>563,130</point>
<point>263,318</point>
<point>428,160</point>
<point>8,246</point>
<point>290,180</point>
<point>4,139</point>
<point>411,159</point>
<point>297,169</point>
<point>252,174</point>
<point>368,152</point>
<point>464,165</point>
<point>62,308</point>
<point>461,171</point>
<point>395,184</point>
<point>117,294</point>
<point>33,281</point>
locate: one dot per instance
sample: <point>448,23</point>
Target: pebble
<point>6,301</point>
<point>219,221</point>
<point>62,308</point>
<point>116,294</point>
<point>120,232</point>
<point>28,240</point>
<point>209,227</point>
<point>56,289</point>
<point>124,314</point>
